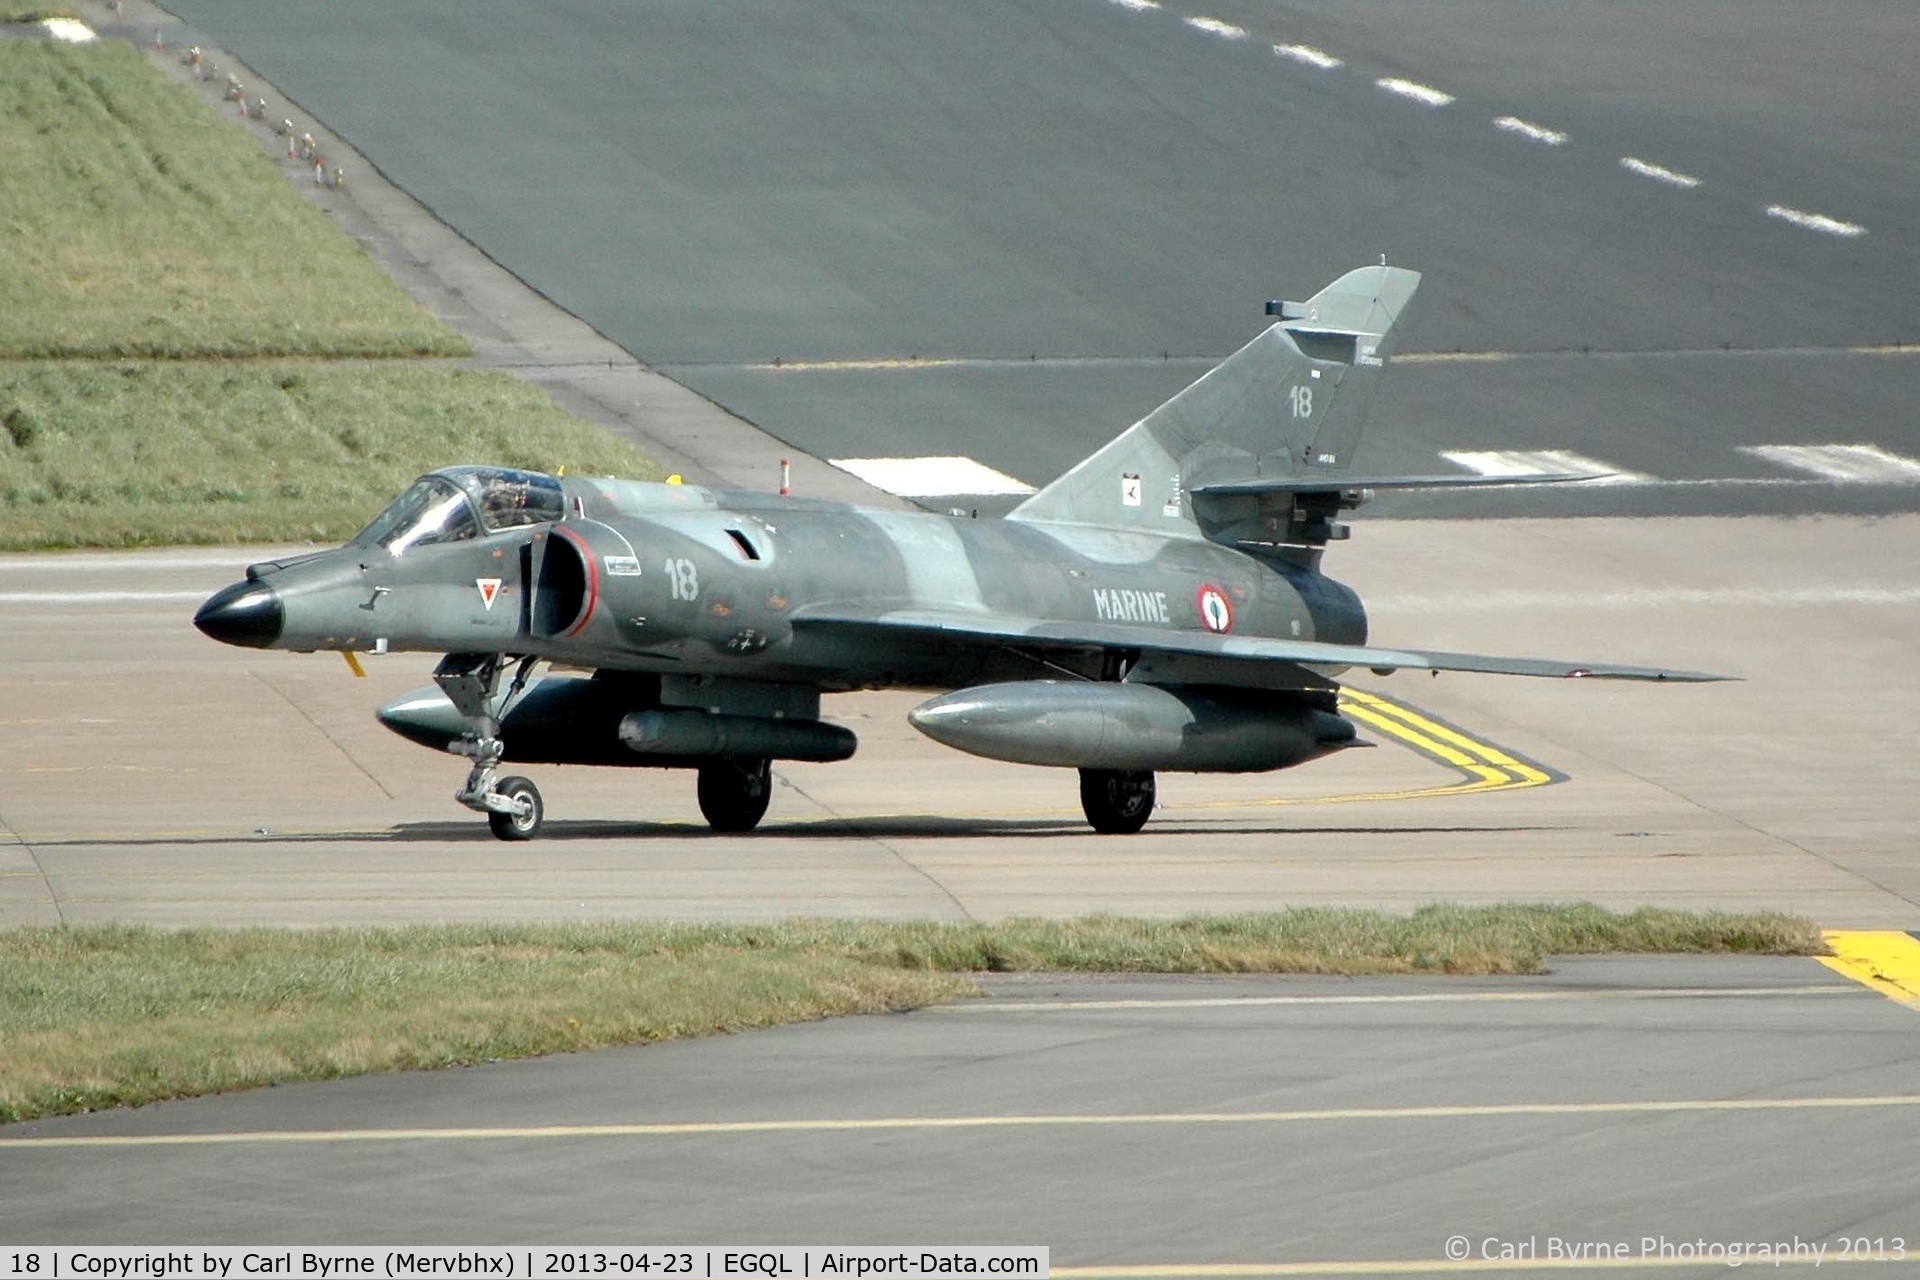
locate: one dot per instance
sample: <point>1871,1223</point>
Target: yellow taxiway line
<point>1880,960</point>
<point>705,1128</point>
<point>1482,766</point>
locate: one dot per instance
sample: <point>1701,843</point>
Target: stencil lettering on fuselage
<point>1117,604</point>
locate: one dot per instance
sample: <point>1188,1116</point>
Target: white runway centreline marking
<point>1425,95</point>
<point>1138,6</point>
<point>1659,173</point>
<point>1637,598</point>
<point>1816,222</point>
<point>1308,55</point>
<point>95,597</point>
<point>933,477</point>
<point>1841,463</point>
<point>1215,27</point>
<point>1519,462</point>
<point>72,561</point>
<point>1530,131</point>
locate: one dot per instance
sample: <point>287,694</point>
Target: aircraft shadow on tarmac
<point>900,827</point>
<point>907,827</point>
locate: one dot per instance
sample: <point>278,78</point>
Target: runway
<point>1137,1126</point>
<point>1004,233</point>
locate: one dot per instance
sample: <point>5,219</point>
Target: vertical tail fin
<point>1293,401</point>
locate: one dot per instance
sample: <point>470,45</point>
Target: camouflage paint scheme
<point>1159,606</point>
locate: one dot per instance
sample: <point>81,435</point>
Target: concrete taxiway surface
<point>148,773</point>
<point>1161,1123</point>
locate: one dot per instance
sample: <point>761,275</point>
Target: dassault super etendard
<point>1158,607</point>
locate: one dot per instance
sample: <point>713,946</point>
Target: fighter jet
<point>1160,607</point>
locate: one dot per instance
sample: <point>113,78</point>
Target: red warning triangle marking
<point>489,589</point>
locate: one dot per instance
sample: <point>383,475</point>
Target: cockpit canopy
<point>458,503</point>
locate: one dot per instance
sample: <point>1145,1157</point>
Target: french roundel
<point>1216,612</point>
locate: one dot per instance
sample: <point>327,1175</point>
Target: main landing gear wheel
<point>524,822</point>
<point>1117,802</point>
<point>734,793</point>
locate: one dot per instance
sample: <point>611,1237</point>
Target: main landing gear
<point>734,793</point>
<point>513,806</point>
<point>734,790</point>
<point>1117,802</point>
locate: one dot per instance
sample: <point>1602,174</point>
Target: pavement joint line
<point>1885,961</point>
<point>709,1128</point>
<point>1430,997</point>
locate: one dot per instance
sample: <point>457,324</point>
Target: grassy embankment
<point>185,341</point>
<point>119,1015</point>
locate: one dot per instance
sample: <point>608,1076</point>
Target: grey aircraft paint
<point>1159,606</point>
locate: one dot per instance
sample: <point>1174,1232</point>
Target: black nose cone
<point>246,613</point>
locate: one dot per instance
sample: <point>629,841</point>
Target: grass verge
<point>115,1015</point>
<point>135,454</point>
<point>138,223</point>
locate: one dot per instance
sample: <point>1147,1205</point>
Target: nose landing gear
<point>513,806</point>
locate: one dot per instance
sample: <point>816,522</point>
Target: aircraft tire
<point>1117,802</point>
<point>511,826</point>
<point>734,794</point>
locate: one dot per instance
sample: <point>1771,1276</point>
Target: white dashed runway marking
<point>1530,131</point>
<point>1842,463</point>
<point>1308,55</point>
<point>1659,173</point>
<point>1428,96</point>
<point>933,477</point>
<point>1425,95</point>
<point>1215,27</point>
<point>1816,222</point>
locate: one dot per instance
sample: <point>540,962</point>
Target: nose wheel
<point>522,821</point>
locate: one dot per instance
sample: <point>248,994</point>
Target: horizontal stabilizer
<point>1309,483</point>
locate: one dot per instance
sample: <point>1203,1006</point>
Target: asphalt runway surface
<point>913,229</point>
<point>1176,1125</point>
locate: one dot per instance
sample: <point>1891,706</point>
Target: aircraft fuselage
<point>679,579</point>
